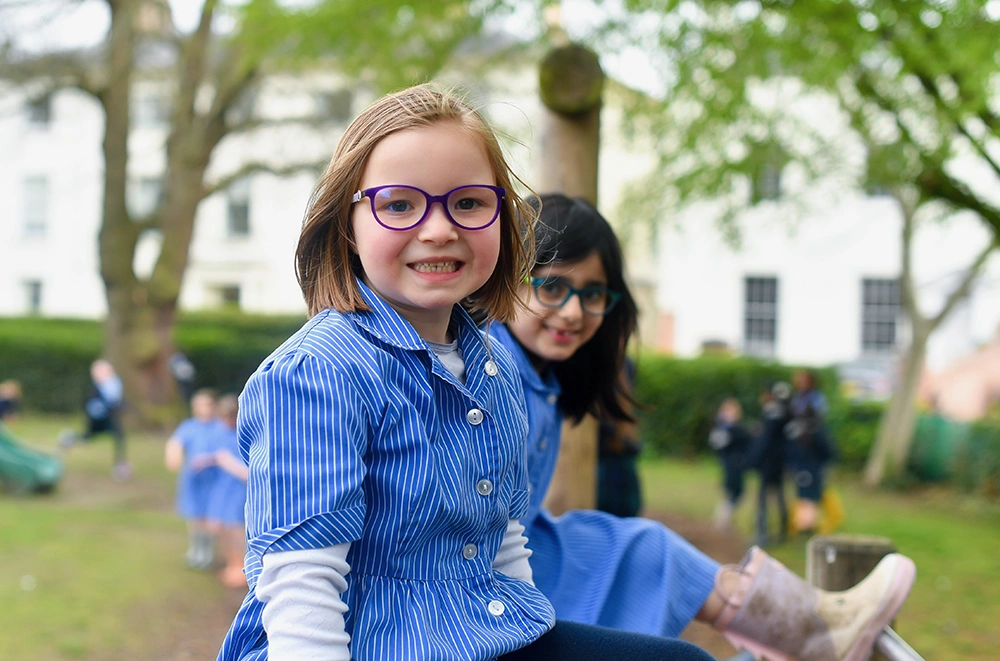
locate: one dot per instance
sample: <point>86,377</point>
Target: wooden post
<point>839,562</point>
<point>571,83</point>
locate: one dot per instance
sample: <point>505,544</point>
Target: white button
<point>552,399</point>
<point>491,368</point>
<point>484,487</point>
<point>474,416</point>
<point>469,551</point>
<point>542,445</point>
<point>496,608</point>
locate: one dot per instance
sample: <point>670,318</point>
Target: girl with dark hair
<point>633,573</point>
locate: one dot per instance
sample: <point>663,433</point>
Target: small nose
<point>437,228</point>
<point>572,308</point>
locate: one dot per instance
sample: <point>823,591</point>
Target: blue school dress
<point>355,432</point>
<point>194,486</point>
<point>631,574</point>
<point>228,496</point>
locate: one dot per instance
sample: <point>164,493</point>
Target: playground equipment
<point>26,470</point>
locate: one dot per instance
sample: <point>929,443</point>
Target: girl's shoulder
<point>328,346</point>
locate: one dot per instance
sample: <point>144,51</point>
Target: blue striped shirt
<point>355,432</point>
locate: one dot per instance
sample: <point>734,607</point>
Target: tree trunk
<point>895,435</point>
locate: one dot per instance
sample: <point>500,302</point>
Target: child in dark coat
<point>732,444</point>
<point>769,460</point>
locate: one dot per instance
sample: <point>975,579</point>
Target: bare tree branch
<point>965,287</point>
<point>63,69</point>
<point>254,167</point>
<point>192,64</point>
<point>254,124</point>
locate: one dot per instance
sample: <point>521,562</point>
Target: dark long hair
<point>592,381</point>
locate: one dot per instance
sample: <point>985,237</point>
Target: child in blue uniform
<point>227,496</point>
<point>190,452</point>
<point>385,439</point>
<point>633,573</point>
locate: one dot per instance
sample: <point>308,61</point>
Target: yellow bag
<point>832,508</point>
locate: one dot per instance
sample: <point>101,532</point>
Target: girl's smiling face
<point>424,271</point>
<point>555,334</point>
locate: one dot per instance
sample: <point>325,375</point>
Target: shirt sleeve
<point>512,558</point>
<point>307,429</point>
<point>303,613</point>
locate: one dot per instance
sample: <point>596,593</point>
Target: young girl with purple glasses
<point>385,439</point>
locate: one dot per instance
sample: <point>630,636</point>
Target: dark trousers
<point>769,484</point>
<point>569,641</point>
<point>108,425</point>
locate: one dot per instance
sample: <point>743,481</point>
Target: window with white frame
<point>33,297</point>
<point>150,109</point>
<point>36,205</point>
<point>143,196</point>
<point>337,106</point>
<point>880,311</point>
<point>760,315</point>
<point>767,183</point>
<point>40,111</point>
<point>238,208</point>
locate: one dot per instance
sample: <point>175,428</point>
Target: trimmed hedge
<point>682,396</point>
<point>51,357</point>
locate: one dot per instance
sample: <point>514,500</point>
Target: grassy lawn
<point>94,570</point>
<point>954,609</point>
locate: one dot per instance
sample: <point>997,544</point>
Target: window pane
<point>36,205</point>
<point>880,310</point>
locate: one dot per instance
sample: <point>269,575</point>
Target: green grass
<point>87,572</point>
<point>94,570</point>
<point>954,609</point>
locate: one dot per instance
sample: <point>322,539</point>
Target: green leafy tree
<point>212,72</point>
<point>901,95</point>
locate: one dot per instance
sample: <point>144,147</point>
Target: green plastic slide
<point>25,470</point>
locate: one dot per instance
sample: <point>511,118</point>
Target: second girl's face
<point>422,272</point>
<point>556,334</point>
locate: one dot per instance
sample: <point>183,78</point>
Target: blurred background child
<point>191,452</point>
<point>810,448</point>
<point>10,399</point>
<point>103,408</point>
<point>732,444</point>
<point>228,496</point>
<point>769,460</point>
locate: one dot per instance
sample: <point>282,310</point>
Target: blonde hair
<point>326,264</point>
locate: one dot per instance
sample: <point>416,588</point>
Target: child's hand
<point>201,462</point>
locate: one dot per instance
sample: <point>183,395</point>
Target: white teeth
<point>436,267</point>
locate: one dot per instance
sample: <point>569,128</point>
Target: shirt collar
<point>382,321</point>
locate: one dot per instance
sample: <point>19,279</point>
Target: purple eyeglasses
<point>397,207</point>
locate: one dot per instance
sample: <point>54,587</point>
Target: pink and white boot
<point>774,614</point>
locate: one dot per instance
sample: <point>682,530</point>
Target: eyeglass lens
<point>556,293</point>
<point>401,207</point>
